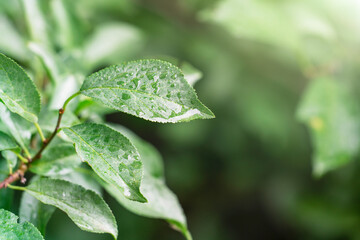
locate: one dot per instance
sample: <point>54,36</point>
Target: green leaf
<point>332,115</point>
<point>34,211</point>
<point>17,91</point>
<point>83,177</point>
<point>10,229</point>
<point>56,160</point>
<point>36,22</point>
<point>162,202</point>
<point>7,143</point>
<point>111,155</point>
<point>86,208</point>
<point>11,159</point>
<point>191,74</point>
<point>13,44</point>
<point>111,43</point>
<point>16,126</point>
<point>150,89</point>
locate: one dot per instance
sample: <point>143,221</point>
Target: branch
<point>19,174</point>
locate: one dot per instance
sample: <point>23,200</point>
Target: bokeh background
<point>250,173</point>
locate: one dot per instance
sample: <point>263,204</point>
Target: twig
<point>20,172</point>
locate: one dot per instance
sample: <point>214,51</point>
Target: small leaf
<point>150,89</point>
<point>86,208</point>
<point>7,143</point>
<point>111,155</point>
<point>191,74</point>
<point>34,211</point>
<point>56,160</point>
<point>162,202</point>
<point>13,44</point>
<point>11,158</point>
<point>332,116</point>
<point>16,126</point>
<point>17,91</point>
<point>36,22</point>
<point>10,229</point>
<point>112,42</point>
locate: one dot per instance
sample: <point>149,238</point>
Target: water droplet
<point>125,96</point>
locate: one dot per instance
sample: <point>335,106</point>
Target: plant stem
<point>24,160</point>
<point>40,131</point>
<point>20,172</point>
<point>16,187</point>
<point>69,99</point>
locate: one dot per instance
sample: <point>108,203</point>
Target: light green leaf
<point>332,115</point>
<point>36,22</point>
<point>13,44</point>
<point>87,209</point>
<point>17,91</point>
<point>162,202</point>
<point>10,229</point>
<point>111,155</point>
<point>150,89</point>
<point>11,159</point>
<point>191,74</point>
<point>56,160</point>
<point>16,126</point>
<point>49,59</point>
<point>34,211</point>
<point>112,43</point>
<point>69,31</point>
<point>7,143</point>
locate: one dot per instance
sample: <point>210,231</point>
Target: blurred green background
<point>281,77</point>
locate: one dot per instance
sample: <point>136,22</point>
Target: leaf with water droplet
<point>162,202</point>
<point>86,208</point>
<point>332,115</point>
<point>17,91</point>
<point>111,155</point>
<point>151,89</point>
<point>10,229</point>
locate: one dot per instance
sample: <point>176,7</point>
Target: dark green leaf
<point>150,89</point>
<point>86,208</point>
<point>6,195</point>
<point>111,155</point>
<point>17,91</point>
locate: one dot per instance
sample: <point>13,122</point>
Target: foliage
<point>129,168</point>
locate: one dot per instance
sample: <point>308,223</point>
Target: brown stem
<point>20,172</point>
